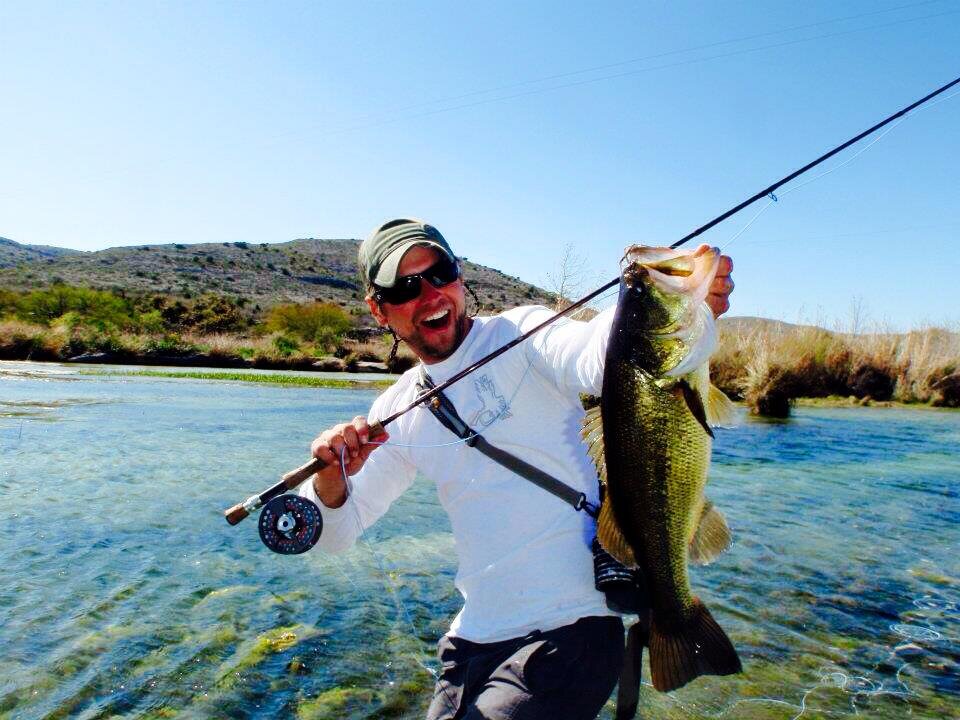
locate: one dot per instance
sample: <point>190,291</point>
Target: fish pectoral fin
<point>711,537</point>
<point>592,434</point>
<point>718,409</point>
<point>721,412</point>
<point>694,402</point>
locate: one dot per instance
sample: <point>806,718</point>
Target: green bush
<point>97,308</point>
<point>285,346</point>
<point>320,323</point>
<point>213,314</point>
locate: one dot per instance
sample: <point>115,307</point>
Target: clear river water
<point>124,593</point>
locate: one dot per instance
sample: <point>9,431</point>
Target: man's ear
<point>376,311</point>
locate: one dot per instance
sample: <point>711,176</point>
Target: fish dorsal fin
<point>592,434</point>
<point>608,532</point>
<point>711,537</point>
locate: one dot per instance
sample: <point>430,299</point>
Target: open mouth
<point>436,320</point>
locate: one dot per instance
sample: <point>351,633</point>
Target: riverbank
<point>769,365</point>
<point>272,378</point>
<point>367,352</point>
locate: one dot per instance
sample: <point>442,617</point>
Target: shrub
<point>320,323</point>
<point>99,308</point>
<point>285,346</point>
<point>213,314</point>
<point>946,391</point>
<point>868,380</point>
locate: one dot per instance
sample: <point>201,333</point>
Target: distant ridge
<point>12,253</point>
<point>263,274</point>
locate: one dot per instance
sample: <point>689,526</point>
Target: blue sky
<point>516,128</point>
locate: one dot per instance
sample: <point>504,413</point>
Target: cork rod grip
<point>289,481</point>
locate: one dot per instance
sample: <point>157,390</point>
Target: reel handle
<point>289,481</point>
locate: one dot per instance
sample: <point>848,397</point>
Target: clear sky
<point>516,128</point>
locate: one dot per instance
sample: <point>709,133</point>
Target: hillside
<point>261,274</point>
<point>13,253</point>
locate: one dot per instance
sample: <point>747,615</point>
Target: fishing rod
<point>291,524</point>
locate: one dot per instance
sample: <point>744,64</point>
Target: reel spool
<point>290,524</point>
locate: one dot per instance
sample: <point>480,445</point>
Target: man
<point>534,639</point>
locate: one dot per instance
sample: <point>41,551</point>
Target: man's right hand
<point>352,439</point>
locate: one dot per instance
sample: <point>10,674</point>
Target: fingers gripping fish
<point>651,439</point>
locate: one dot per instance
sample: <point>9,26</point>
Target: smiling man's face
<point>435,322</point>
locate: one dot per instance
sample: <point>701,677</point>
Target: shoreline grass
<point>771,365</point>
<point>270,379</point>
<point>768,364</point>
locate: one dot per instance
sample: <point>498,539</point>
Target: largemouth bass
<point>651,439</point>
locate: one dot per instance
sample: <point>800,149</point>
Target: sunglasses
<point>407,287</point>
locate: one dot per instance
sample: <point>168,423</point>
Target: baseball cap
<point>380,254</point>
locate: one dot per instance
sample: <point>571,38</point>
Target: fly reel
<point>290,524</point>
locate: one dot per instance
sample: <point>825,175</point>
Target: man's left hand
<point>722,286</point>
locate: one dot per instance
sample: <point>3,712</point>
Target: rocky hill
<point>262,274</point>
<point>13,253</point>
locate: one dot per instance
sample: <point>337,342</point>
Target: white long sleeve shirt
<point>524,554</point>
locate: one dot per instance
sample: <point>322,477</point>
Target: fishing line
<point>775,198</point>
<point>771,189</point>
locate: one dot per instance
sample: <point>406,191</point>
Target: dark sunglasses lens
<point>443,272</point>
<point>405,290</point>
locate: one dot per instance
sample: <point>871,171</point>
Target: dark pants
<point>562,674</point>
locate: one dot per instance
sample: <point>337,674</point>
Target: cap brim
<point>387,272</point>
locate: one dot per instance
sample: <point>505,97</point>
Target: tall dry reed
<point>768,364</point>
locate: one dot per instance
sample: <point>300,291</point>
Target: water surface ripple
<point>126,595</point>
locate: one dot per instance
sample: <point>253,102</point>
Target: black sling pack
<point>622,587</point>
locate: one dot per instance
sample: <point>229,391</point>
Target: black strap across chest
<point>446,413</point>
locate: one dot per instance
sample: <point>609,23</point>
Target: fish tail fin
<point>698,647</point>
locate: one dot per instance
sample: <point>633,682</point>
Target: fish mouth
<point>671,270</point>
<point>667,261</point>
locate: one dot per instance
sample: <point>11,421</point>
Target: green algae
<point>934,577</point>
<point>406,695</point>
<point>163,713</point>
<point>338,702</point>
<point>273,641</point>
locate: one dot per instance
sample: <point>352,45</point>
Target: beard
<point>440,349</point>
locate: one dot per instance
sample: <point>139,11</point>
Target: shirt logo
<point>493,405</point>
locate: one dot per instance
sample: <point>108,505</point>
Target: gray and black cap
<point>380,254</point>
